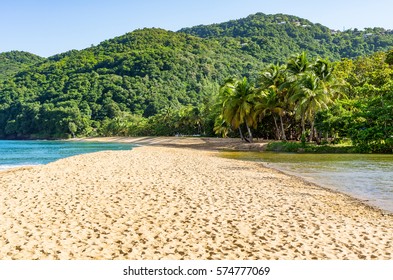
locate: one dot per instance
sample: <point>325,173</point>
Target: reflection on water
<point>367,177</point>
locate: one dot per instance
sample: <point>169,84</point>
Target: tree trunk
<point>303,125</point>
<point>249,133</point>
<point>241,134</point>
<point>277,129</point>
<point>311,132</point>
<point>283,137</point>
<point>317,136</point>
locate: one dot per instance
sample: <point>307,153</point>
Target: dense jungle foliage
<point>273,38</point>
<point>314,100</point>
<point>157,82</point>
<point>15,61</point>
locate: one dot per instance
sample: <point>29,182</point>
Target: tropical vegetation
<point>319,101</point>
<point>265,76</point>
<point>15,61</point>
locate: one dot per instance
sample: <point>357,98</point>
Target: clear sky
<point>48,27</point>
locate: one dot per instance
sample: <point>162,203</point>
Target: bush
<point>299,147</point>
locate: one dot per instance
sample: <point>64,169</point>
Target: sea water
<point>26,153</point>
<point>368,177</point>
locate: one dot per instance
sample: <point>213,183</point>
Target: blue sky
<point>48,27</point>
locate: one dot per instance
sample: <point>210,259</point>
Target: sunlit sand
<point>179,203</point>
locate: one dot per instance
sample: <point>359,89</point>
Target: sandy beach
<point>169,201</point>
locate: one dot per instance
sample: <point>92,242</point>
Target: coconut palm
<point>221,127</point>
<point>190,119</point>
<point>298,64</point>
<point>237,98</point>
<point>267,103</point>
<point>310,96</point>
<point>311,87</point>
<point>273,75</point>
<point>323,69</point>
<point>273,95</point>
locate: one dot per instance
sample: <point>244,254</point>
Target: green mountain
<point>273,38</point>
<point>142,72</point>
<point>154,72</point>
<point>15,61</point>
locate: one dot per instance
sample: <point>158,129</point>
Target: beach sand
<point>179,203</point>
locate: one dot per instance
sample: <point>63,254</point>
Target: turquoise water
<point>24,153</point>
<point>366,177</point>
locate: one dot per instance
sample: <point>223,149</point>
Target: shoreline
<point>220,144</point>
<point>197,143</point>
<point>355,199</point>
<point>209,144</point>
<point>174,203</point>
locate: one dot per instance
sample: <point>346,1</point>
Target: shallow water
<point>24,153</point>
<point>366,177</point>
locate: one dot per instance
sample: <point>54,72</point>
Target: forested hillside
<point>15,61</point>
<point>273,38</point>
<point>140,73</point>
<point>158,82</point>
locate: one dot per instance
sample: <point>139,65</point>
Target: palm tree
<point>312,87</point>
<point>273,95</point>
<point>273,75</point>
<point>268,103</point>
<point>298,64</point>
<point>237,98</point>
<point>221,127</point>
<point>323,69</point>
<point>197,119</point>
<point>311,94</point>
<point>190,118</point>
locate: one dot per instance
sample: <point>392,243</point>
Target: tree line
<point>314,101</point>
<point>308,100</point>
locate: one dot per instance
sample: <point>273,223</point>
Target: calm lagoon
<point>366,177</point>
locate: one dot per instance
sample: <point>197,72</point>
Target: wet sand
<point>180,203</point>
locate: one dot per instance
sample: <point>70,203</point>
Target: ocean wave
<point>11,166</point>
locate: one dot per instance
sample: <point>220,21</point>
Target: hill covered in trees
<point>15,61</point>
<point>140,73</point>
<point>273,38</point>
<point>158,82</point>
